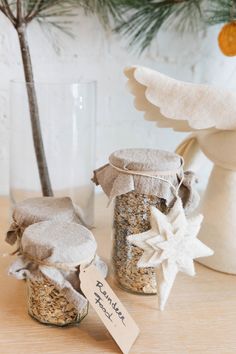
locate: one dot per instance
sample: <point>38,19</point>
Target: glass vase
<point>67,124</point>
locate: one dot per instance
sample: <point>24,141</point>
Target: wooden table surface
<point>200,316</point>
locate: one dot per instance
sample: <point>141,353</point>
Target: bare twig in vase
<point>21,13</point>
<point>33,102</point>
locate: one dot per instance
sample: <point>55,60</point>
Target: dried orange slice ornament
<point>227,39</point>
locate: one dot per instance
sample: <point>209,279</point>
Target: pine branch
<point>146,17</point>
<point>187,17</point>
<point>59,14</point>
<point>104,9</point>
<point>221,11</point>
<point>57,18</point>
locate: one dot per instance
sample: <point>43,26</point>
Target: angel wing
<point>180,105</point>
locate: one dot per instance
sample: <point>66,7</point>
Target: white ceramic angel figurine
<point>210,115</point>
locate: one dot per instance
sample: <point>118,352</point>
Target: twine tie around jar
<point>155,175</point>
<point>69,267</point>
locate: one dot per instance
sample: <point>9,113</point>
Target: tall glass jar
<point>67,122</point>
<point>138,179</point>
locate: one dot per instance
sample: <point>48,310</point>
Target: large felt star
<point>170,245</point>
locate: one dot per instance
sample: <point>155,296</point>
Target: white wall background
<point>96,55</point>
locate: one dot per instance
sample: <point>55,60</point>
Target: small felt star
<point>171,245</point>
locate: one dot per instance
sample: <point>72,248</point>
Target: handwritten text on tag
<point>109,308</point>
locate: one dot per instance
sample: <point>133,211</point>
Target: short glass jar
<point>50,260</point>
<point>137,179</point>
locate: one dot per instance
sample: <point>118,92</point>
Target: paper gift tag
<point>108,307</point>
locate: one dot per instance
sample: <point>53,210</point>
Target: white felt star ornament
<point>171,245</point>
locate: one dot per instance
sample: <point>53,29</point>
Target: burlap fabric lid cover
<point>63,245</point>
<point>33,210</point>
<point>163,164</point>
